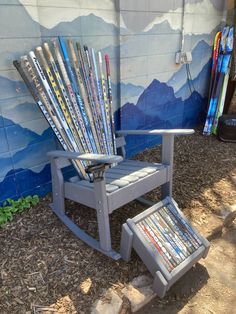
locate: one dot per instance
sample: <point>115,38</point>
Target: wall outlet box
<point>183,57</point>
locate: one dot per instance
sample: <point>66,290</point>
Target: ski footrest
<point>165,241</point>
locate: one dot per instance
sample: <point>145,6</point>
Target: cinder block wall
<point>149,90</point>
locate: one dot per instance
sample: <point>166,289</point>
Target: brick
<point>109,303</point>
<point>138,297</point>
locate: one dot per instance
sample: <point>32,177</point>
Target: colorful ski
<point>226,47</point>
<point>75,114</point>
<point>221,103</point>
<point>89,97</point>
<point>37,93</point>
<point>215,57</point>
<point>72,96</point>
<point>85,108</point>
<point>95,102</point>
<point>53,101</point>
<point>100,99</point>
<point>106,101</point>
<point>112,122</point>
<point>75,128</point>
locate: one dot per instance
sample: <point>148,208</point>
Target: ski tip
<point>31,54</point>
<point>25,57</point>
<point>61,40</point>
<point>46,45</point>
<point>39,48</point>
<point>99,56</point>
<point>107,64</point>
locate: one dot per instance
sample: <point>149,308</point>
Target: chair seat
<point>123,174</point>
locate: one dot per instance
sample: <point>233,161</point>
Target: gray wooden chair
<point>115,181</point>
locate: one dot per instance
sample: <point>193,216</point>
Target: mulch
<point>41,261</point>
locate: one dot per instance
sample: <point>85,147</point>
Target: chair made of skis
<point>116,182</point>
<point>74,101</point>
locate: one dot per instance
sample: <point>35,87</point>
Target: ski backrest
<point>72,86</point>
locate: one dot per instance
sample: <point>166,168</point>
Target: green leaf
<point>3,219</point>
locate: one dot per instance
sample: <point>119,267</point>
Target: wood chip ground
<point>43,263</point>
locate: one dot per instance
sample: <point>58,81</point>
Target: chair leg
<point>57,189</point>
<point>166,190</point>
<point>102,215</point>
<point>167,159</point>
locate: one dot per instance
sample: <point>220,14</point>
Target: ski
<point>222,66</point>
<point>73,95</point>
<point>112,122</point>
<point>159,246</point>
<point>87,115</point>
<point>100,99</point>
<point>72,79</point>
<point>58,119</point>
<point>69,114</point>
<point>173,224</point>
<point>85,67</point>
<point>104,94</point>
<point>37,92</point>
<point>95,97</point>
<point>76,116</point>
<point>169,235</point>
<point>215,57</point>
<point>156,228</point>
<point>221,103</point>
<point>57,108</point>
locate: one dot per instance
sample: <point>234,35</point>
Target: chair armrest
<point>95,158</point>
<point>156,132</point>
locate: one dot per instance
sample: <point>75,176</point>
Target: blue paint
<point>28,179</point>
<point>3,141</point>
<point>8,187</point>
<point>23,151</point>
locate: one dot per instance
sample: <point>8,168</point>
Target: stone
<point>229,214</point>
<point>233,179</point>
<point>85,286</point>
<point>63,305</point>
<point>109,303</point>
<point>138,297</point>
<point>141,281</point>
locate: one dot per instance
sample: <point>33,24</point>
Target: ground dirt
<point>43,263</point>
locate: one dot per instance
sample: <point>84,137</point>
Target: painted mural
<point>149,89</point>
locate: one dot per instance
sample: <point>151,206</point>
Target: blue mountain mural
<point>91,25</point>
<point>130,90</point>
<point>202,52</point>
<point>25,170</point>
<point>10,88</point>
<point>24,165</point>
<point>159,107</point>
<point>200,83</point>
<point>14,110</point>
<point>25,182</point>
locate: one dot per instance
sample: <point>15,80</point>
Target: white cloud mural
<point>50,13</point>
<point>149,89</point>
<point>200,18</point>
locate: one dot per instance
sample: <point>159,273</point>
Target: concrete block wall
<point>149,90</point>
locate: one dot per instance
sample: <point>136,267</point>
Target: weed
<point>10,207</point>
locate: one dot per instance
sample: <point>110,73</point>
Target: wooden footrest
<point>166,242</point>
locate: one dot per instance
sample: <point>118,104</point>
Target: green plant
<point>10,207</point>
